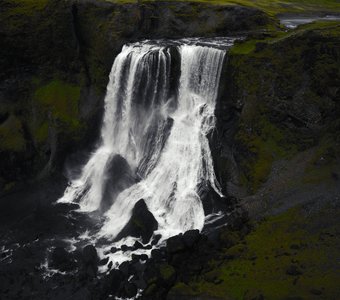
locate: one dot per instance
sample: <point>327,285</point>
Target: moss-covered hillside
<point>289,256</point>
<point>283,93</point>
<point>272,7</point>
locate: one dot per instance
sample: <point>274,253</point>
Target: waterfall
<point>158,130</point>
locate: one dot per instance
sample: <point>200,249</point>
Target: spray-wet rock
<point>142,223</point>
<point>90,262</point>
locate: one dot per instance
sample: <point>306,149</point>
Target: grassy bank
<point>290,256</point>
<point>271,7</point>
<point>275,77</point>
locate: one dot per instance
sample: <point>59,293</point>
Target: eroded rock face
<point>119,177</point>
<point>277,101</point>
<point>90,261</point>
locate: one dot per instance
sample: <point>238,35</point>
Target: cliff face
<point>55,61</point>
<point>278,102</point>
<point>279,116</point>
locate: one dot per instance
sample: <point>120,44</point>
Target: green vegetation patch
<point>289,255</point>
<point>268,143</point>
<point>287,84</point>
<point>280,6</point>
<point>324,165</point>
<point>60,100</point>
<point>167,272</point>
<point>271,7</point>
<point>27,7</point>
<point>11,135</point>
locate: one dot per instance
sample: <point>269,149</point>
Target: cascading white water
<point>162,135</point>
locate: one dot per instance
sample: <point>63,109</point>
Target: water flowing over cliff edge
<point>153,144</point>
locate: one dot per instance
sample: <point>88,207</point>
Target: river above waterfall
<point>292,21</point>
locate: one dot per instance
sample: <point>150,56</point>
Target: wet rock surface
<point>33,266</point>
<point>142,223</point>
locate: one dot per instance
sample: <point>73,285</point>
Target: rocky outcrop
<point>119,177</point>
<point>279,103</point>
<point>142,223</point>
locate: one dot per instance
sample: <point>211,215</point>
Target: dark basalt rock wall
<point>54,64</point>
<point>279,104</point>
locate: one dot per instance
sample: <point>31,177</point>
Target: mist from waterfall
<point>158,126</point>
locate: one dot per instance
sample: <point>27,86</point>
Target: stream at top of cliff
<point>292,21</point>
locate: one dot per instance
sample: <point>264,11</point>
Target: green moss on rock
<point>182,289</point>
<point>288,255</point>
<point>61,100</point>
<point>167,272</point>
<point>28,7</point>
<point>11,135</point>
<point>285,84</point>
<point>268,143</point>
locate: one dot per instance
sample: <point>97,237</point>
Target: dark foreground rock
<point>190,266</point>
<point>90,261</point>
<point>30,246</point>
<point>62,260</point>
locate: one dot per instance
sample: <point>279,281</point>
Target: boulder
<point>156,239</point>
<point>191,237</point>
<point>142,223</point>
<point>130,290</point>
<point>125,248</point>
<point>137,245</point>
<point>114,250</point>
<point>125,268</point>
<point>119,177</point>
<point>109,266</point>
<point>104,261</point>
<point>90,262</point>
<point>293,270</point>
<point>175,244</point>
<point>157,254</point>
<point>90,255</point>
<point>112,283</point>
<point>167,274</point>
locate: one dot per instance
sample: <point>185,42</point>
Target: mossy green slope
<point>272,7</point>
<point>61,101</point>
<point>11,135</point>
<point>290,255</point>
<point>41,80</point>
<point>286,84</point>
